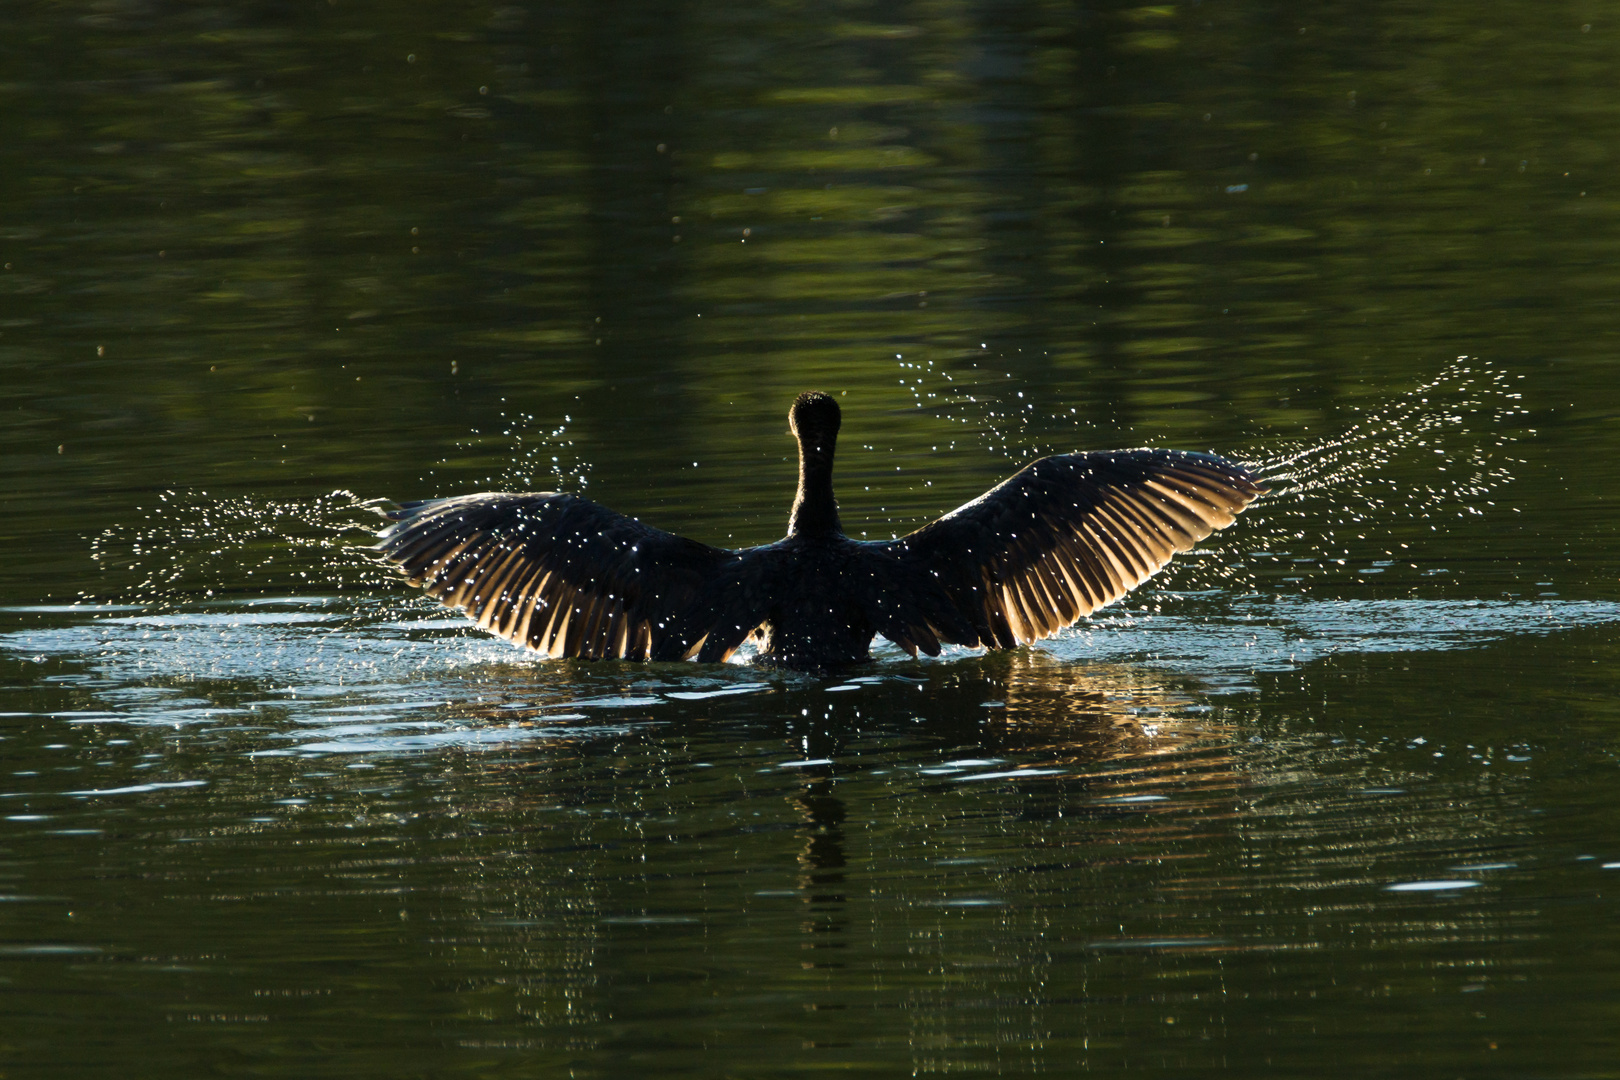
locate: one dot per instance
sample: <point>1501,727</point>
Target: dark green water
<point>1336,797</point>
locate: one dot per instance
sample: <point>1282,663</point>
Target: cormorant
<point>565,576</point>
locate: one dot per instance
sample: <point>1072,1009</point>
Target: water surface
<point>1332,797</point>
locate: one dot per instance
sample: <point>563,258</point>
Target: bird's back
<point>815,595</point>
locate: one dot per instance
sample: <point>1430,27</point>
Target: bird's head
<point>814,419</point>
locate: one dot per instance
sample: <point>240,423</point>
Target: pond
<point>1334,795</point>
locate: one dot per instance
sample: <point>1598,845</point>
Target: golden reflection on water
<point>1098,712</point>
<point>1131,738</point>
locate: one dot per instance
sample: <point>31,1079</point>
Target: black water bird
<point>565,576</point>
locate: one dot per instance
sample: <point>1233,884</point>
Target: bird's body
<point>814,619</point>
<point>568,577</point>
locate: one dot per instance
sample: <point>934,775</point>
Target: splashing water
<point>1328,496</point>
<point>191,546</point>
<point>537,459</point>
<point>1437,452</point>
<point>1434,419</point>
<point>195,564</point>
<point>1006,424</point>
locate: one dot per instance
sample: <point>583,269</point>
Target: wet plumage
<point>1070,533</point>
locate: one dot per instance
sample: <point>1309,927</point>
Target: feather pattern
<point>1067,535</point>
<point>565,576</point>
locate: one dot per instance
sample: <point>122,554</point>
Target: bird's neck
<point>815,511</point>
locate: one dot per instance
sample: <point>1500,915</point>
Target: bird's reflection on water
<point>1007,849</point>
<point>1101,712</point>
<point>822,862</point>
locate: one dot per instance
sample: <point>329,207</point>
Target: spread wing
<point>1058,540</point>
<point>566,576</point>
